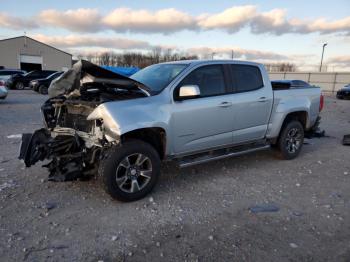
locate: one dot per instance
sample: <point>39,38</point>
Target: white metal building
<point>29,54</point>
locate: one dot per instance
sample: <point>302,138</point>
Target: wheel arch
<point>302,116</point>
<point>155,136</point>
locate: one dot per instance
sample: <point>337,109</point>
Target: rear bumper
<point>3,92</point>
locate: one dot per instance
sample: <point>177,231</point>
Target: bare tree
<point>105,59</point>
<point>281,67</point>
<point>136,59</point>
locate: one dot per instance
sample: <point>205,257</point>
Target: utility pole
<point>212,55</point>
<point>232,54</point>
<point>324,45</point>
<point>25,39</point>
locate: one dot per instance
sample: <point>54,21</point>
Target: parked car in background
<point>344,93</point>
<point>42,85</point>
<point>3,89</point>
<point>187,111</point>
<point>5,74</point>
<point>19,81</point>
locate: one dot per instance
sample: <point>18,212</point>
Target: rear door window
<point>246,78</point>
<point>210,80</point>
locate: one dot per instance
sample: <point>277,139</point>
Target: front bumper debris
<point>69,157</point>
<point>33,147</point>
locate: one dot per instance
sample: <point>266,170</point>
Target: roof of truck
<point>210,61</point>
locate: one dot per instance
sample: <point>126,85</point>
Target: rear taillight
<point>2,83</point>
<point>321,102</point>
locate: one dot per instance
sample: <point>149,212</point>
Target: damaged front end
<point>73,143</point>
<point>69,158</point>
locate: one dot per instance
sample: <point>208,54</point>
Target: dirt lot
<point>194,214</point>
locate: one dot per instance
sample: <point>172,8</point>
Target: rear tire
<point>130,171</point>
<point>19,86</point>
<point>291,140</point>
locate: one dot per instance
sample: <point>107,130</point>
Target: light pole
<point>212,55</point>
<point>232,54</point>
<point>324,45</point>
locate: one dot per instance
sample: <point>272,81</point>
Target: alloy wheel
<point>134,173</point>
<point>293,140</point>
<point>20,85</point>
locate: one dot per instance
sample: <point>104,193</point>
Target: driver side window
<point>210,80</point>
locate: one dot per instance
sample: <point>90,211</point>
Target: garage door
<point>31,59</point>
<point>30,62</point>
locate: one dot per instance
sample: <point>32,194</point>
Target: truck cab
<point>227,92</point>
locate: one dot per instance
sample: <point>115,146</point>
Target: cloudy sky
<point>264,31</point>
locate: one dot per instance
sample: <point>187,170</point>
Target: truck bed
<point>305,99</point>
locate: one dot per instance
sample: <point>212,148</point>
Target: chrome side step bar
<point>184,162</point>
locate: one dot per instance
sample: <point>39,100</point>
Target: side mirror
<point>189,91</point>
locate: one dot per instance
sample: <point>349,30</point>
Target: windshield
<point>54,75</point>
<point>157,77</point>
<point>29,73</point>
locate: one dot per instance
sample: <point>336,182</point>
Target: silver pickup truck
<point>97,121</point>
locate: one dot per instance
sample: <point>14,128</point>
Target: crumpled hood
<point>85,72</point>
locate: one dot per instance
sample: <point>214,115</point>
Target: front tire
<point>130,171</point>
<point>291,140</point>
<point>43,90</point>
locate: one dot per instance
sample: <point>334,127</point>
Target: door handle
<point>225,104</point>
<point>262,99</point>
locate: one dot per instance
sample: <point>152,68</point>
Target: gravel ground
<point>194,214</point>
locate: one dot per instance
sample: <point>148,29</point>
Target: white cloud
<point>273,22</point>
<point>16,23</point>
<point>171,20</point>
<point>79,20</point>
<point>82,41</point>
<point>232,19</point>
<point>339,61</point>
<point>164,21</point>
<point>239,53</point>
<point>324,27</point>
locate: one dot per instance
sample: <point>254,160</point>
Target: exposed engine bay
<point>73,143</point>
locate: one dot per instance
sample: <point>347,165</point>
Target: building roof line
<point>22,36</point>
